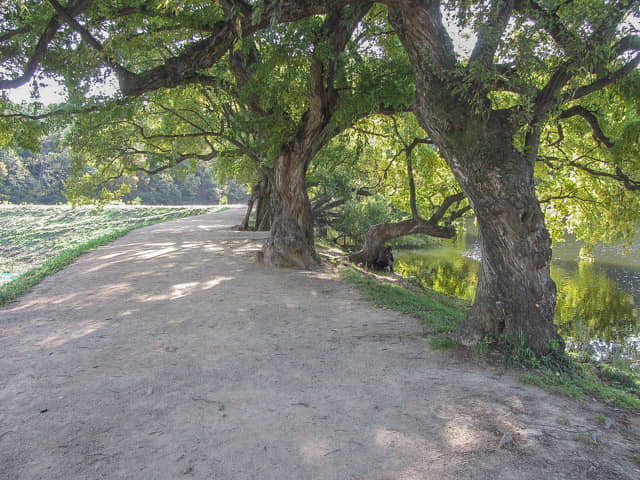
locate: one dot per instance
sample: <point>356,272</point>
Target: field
<point>37,240</point>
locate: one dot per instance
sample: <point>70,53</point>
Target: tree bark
<point>266,196</point>
<point>515,298</point>
<point>291,238</point>
<point>381,233</point>
<point>291,241</point>
<point>268,205</point>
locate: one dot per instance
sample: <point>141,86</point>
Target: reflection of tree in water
<point>456,277</point>
<point>591,306</point>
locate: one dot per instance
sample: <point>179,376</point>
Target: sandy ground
<point>172,353</point>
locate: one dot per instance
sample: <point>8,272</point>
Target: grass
<point>37,241</point>
<point>589,380</point>
<point>576,378</point>
<point>437,316</point>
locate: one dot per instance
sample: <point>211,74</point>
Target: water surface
<point>597,296</point>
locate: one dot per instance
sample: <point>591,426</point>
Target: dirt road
<point>171,353</point>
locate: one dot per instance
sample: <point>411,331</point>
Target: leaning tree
<point>548,57</point>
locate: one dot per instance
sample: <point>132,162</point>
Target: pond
<point>596,310</point>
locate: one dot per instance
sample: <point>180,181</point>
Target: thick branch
<point>12,33</point>
<point>313,132</point>
<point>43,44</point>
<point>205,53</point>
<point>381,233</point>
<point>446,204</point>
<point>604,81</point>
<point>564,38</point>
<point>598,134</point>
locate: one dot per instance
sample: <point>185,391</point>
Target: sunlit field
<point>33,235</point>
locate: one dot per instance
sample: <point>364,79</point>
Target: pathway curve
<point>171,353</point>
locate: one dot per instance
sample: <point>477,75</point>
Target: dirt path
<point>171,353</point>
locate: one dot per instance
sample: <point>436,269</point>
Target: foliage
<point>371,157</point>
<point>579,180</point>
<point>358,215</point>
<point>27,177</point>
<point>552,84</point>
<point>43,177</point>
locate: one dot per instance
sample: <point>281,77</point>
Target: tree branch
<point>90,39</point>
<point>619,176</point>
<point>592,120</point>
<point>450,200</point>
<point>12,33</point>
<point>604,81</point>
<point>182,158</point>
<point>564,38</point>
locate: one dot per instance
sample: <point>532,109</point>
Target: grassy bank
<point>611,383</point>
<point>37,241</point>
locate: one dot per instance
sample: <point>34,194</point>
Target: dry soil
<point>172,353</point>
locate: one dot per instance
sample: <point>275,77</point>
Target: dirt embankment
<point>171,353</point>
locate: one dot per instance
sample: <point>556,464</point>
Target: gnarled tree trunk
<point>515,297</point>
<point>291,238</point>
<point>381,233</point>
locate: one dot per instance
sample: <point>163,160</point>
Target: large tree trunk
<point>268,200</point>
<point>268,203</point>
<point>515,297</point>
<point>291,239</point>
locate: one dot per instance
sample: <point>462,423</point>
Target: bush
<point>358,216</point>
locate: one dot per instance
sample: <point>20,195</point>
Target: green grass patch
<point>37,241</point>
<point>438,317</point>
<point>441,341</point>
<point>588,379</point>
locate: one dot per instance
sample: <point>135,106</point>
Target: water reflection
<point>441,269</point>
<point>595,310</point>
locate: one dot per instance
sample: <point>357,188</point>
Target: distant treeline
<point>27,177</point>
